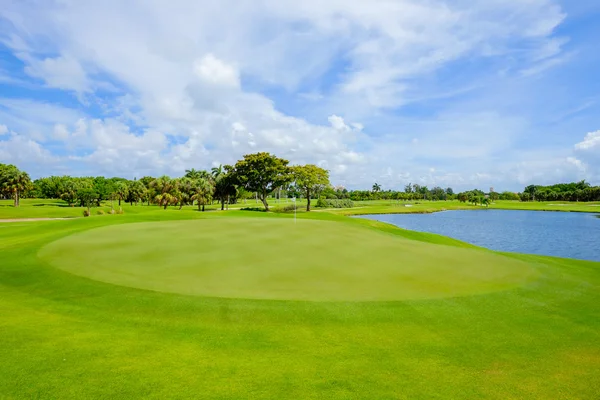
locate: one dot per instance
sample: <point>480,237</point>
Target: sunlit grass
<point>68,336</point>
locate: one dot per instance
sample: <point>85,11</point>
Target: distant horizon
<point>443,93</point>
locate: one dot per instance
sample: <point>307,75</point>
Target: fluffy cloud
<point>62,72</point>
<point>213,70</point>
<point>26,153</point>
<point>196,85</point>
<point>590,142</point>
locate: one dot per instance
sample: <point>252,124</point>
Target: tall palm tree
<point>185,190</point>
<point>121,190</point>
<point>216,172</point>
<point>203,191</point>
<point>16,182</point>
<point>166,191</point>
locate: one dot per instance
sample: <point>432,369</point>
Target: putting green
<point>268,258</point>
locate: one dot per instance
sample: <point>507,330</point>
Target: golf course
<point>232,304</point>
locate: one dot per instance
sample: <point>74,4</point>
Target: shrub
<point>86,213</point>
<point>112,211</point>
<point>334,203</point>
<point>288,208</point>
<point>100,212</point>
<point>120,211</point>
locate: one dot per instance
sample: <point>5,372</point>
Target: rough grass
<point>65,336</point>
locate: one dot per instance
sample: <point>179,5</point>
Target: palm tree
<point>197,174</point>
<point>203,191</point>
<point>192,173</point>
<point>216,172</point>
<point>15,182</point>
<point>121,190</point>
<point>185,190</point>
<point>376,187</point>
<point>165,189</point>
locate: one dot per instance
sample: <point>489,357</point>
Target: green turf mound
<point>259,258</point>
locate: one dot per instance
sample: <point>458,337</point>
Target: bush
<point>288,208</point>
<point>120,211</point>
<point>334,203</point>
<point>112,212</point>
<point>86,213</point>
<point>100,212</point>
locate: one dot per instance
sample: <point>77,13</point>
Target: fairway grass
<point>278,259</point>
<point>66,334</point>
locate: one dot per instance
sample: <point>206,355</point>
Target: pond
<point>559,234</point>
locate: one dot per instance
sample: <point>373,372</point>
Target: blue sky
<point>451,93</point>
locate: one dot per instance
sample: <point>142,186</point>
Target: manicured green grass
<point>279,259</point>
<point>63,335</point>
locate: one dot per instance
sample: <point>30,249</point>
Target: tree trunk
<point>202,207</point>
<point>119,202</point>
<point>263,198</point>
<point>222,203</point>
<point>308,200</point>
<point>16,198</point>
<point>166,205</point>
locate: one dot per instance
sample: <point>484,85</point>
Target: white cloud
<point>27,154</point>
<point>60,132</point>
<point>338,123</point>
<point>3,130</point>
<point>213,70</point>
<point>62,72</point>
<point>591,141</point>
<point>195,78</point>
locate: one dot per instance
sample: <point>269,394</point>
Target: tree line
<point>575,191</point>
<point>258,176</point>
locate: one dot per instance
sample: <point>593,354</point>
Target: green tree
<point>531,190</point>
<point>87,195</point>
<point>310,179</point>
<point>376,187</point>
<point>196,174</point>
<point>165,191</point>
<point>185,190</point>
<point>136,191</point>
<point>225,187</point>
<point>14,182</point>
<point>262,173</point>
<point>203,191</point>
<point>121,190</point>
<point>217,171</point>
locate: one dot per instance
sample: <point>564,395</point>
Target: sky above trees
<point>441,93</point>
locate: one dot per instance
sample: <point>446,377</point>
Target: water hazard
<point>559,234</point>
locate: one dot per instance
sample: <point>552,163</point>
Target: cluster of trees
<point>411,192</point>
<point>14,182</point>
<point>258,175</point>
<point>575,191</point>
